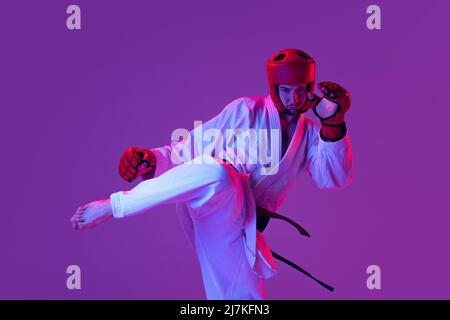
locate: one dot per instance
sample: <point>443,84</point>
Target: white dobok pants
<point>215,198</point>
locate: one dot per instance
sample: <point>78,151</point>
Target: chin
<point>293,112</point>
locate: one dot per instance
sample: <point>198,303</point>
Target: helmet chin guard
<point>290,66</point>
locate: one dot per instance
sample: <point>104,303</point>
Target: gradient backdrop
<point>72,101</point>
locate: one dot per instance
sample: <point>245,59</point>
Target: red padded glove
<point>136,162</point>
<point>330,103</point>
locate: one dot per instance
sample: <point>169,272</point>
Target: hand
<point>136,162</point>
<point>338,96</point>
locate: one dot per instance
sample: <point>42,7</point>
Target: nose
<point>297,96</point>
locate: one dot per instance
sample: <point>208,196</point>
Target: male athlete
<point>224,204</point>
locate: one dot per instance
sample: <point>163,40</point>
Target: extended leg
<point>215,199</point>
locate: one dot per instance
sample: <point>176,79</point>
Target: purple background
<point>72,101</point>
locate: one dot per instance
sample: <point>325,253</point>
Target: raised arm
<point>329,152</point>
<point>330,163</point>
<point>186,148</point>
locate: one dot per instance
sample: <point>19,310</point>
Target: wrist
<point>333,132</point>
<point>149,174</point>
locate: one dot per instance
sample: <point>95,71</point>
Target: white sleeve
<point>330,164</point>
<point>229,117</point>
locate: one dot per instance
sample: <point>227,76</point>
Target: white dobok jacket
<point>266,183</point>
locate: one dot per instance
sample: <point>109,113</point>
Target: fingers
<point>123,164</point>
<point>132,158</point>
<point>127,164</point>
<point>131,172</point>
<point>126,172</point>
<point>336,93</point>
<point>333,90</point>
<point>122,170</point>
<point>329,90</point>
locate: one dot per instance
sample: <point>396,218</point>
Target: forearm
<point>180,184</point>
<point>134,201</point>
<point>331,163</point>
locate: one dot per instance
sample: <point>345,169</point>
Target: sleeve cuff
<point>334,145</point>
<point>331,141</point>
<point>117,205</point>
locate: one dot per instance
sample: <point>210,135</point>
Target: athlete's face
<point>293,97</point>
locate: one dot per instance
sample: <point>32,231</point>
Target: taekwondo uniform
<point>216,202</point>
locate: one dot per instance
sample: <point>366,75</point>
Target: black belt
<point>262,219</point>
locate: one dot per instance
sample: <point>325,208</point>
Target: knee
<point>222,176</point>
<point>221,189</point>
<point>222,198</point>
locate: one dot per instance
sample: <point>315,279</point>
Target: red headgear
<point>290,66</point>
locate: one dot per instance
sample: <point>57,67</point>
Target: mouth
<point>292,111</point>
